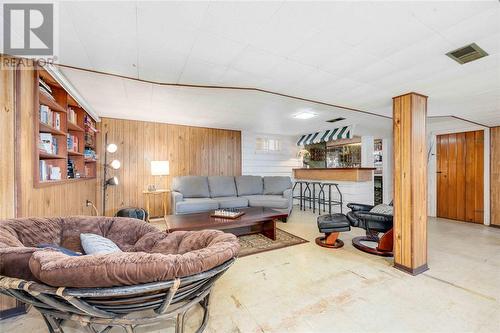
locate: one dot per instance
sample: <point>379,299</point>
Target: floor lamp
<point>111,148</point>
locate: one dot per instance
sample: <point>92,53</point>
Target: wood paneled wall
<point>495,175</point>
<point>189,150</point>
<point>7,118</point>
<point>8,305</point>
<point>410,182</point>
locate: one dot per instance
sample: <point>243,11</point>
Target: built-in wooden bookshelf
<point>65,135</point>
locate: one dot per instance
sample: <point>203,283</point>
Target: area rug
<point>257,243</point>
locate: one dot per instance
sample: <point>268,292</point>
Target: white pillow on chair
<point>383,209</point>
<point>95,244</point>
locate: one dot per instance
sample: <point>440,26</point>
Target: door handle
<point>439,172</point>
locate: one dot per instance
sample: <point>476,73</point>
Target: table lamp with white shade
<point>159,168</point>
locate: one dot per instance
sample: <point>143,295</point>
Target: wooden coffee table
<point>255,220</point>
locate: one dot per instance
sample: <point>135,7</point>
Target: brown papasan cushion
<point>150,255</point>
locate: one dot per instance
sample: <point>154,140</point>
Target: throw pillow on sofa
<point>95,244</point>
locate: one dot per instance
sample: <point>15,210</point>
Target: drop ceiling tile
<point>288,72</point>
<point>434,47</point>
<point>161,65</point>
<point>240,21</point>
<point>215,49</point>
<point>287,29</point>
<point>473,28</point>
<point>350,62</point>
<point>138,94</point>
<point>110,41</point>
<point>312,82</point>
<point>201,72</point>
<point>340,21</point>
<point>73,53</point>
<point>490,43</point>
<point>390,33</point>
<point>170,15</point>
<point>255,61</point>
<point>152,38</point>
<point>236,78</point>
<point>319,50</point>
<point>440,14</point>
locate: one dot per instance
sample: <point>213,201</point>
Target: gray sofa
<point>192,194</point>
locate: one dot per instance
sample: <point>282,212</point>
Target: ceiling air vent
<point>335,120</point>
<point>467,53</point>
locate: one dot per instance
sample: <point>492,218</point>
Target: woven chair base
<point>109,307</point>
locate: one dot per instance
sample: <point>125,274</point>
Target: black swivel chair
<point>136,213</point>
<point>374,224</point>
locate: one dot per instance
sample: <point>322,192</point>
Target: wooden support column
<point>410,183</point>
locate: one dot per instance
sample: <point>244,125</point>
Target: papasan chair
<point>158,276</point>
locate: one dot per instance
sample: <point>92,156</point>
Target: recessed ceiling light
<point>304,115</point>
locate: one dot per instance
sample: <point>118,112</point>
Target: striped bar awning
<point>325,136</point>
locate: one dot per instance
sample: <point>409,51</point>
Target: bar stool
<point>329,201</point>
<point>310,194</point>
<point>301,184</point>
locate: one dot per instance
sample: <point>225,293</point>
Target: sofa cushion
<point>195,205</point>
<point>222,186</point>
<point>276,184</point>
<point>232,202</point>
<point>191,186</point>
<point>249,185</point>
<point>269,201</point>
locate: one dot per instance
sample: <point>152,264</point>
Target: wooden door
<point>460,158</point>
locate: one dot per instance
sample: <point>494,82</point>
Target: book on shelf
<point>48,171</point>
<point>90,125</point>
<point>42,83</point>
<point>90,154</point>
<point>49,117</point>
<point>73,172</point>
<point>48,143</point>
<point>72,118</point>
<point>72,143</point>
<point>45,88</point>
<point>89,139</point>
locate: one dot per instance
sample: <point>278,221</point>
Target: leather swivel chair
<point>136,213</point>
<point>374,224</point>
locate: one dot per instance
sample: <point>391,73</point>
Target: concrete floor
<point>306,288</point>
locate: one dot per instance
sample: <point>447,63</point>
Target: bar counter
<point>334,174</point>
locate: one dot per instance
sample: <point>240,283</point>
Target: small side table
<point>164,194</point>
